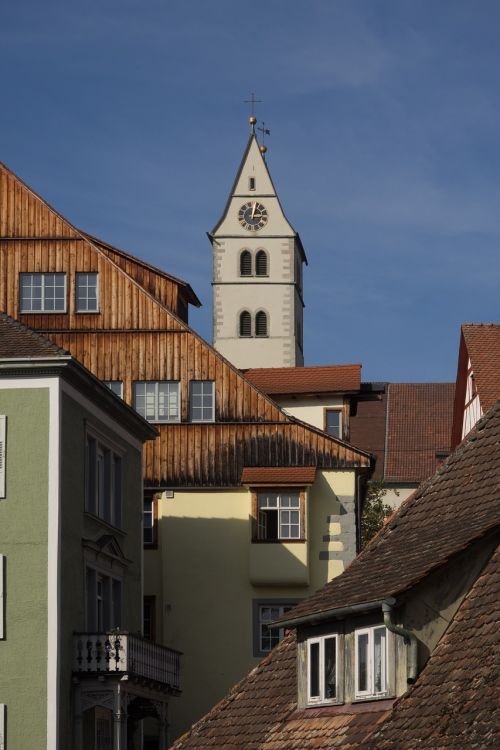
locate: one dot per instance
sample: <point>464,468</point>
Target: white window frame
<point>78,275</point>
<point>111,383</point>
<point>96,502</point>
<point>371,692</point>
<point>43,310</point>
<point>321,699</point>
<point>338,410</point>
<point>156,384</point>
<point>109,603</point>
<point>203,396</point>
<point>278,496</point>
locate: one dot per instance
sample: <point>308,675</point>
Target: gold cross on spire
<point>253,101</point>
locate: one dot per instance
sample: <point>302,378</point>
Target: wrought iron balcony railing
<point>117,652</point>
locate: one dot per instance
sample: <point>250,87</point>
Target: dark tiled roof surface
<point>483,347</point>
<point>260,713</point>
<point>462,499</point>
<point>454,703</point>
<point>16,340</point>
<point>278,475</point>
<point>367,426</point>
<point>282,380</point>
<point>419,422</point>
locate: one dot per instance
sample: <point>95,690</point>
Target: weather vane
<point>253,101</point>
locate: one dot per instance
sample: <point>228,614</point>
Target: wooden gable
<point>135,337</point>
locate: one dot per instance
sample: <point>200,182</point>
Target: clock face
<point>252,216</point>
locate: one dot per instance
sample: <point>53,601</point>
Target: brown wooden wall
<point>134,337</point>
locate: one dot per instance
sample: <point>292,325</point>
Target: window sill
<point>372,698</point>
<point>279,541</point>
<point>43,312</point>
<point>87,312</point>
<point>150,546</point>
<point>108,525</point>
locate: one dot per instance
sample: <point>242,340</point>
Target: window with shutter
<point>261,263</point>
<point>261,324</point>
<point>245,263</point>
<point>3,453</point>
<point>245,324</point>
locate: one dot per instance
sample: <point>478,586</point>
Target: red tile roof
<point>327,379</point>
<point>300,475</point>
<point>459,504</point>
<point>18,341</point>
<point>454,703</point>
<point>419,422</point>
<point>483,346</point>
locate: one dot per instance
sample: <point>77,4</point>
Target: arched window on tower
<point>261,327</point>
<point>261,263</point>
<point>245,324</point>
<point>246,263</point>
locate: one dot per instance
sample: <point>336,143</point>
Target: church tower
<point>257,272</point>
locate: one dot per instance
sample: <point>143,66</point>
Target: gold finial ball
<point>252,119</point>
<point>262,149</point>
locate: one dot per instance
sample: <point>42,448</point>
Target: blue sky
<point>128,116</point>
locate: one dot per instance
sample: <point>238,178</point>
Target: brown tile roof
<point>17,340</point>
<point>462,500</point>
<point>367,424</point>
<point>454,703</point>
<point>483,346</point>
<point>327,379</point>
<point>302,475</point>
<point>260,713</point>
<point>419,422</point>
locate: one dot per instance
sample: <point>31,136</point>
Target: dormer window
<point>371,662</point>
<point>322,660</point>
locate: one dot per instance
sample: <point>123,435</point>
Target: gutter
<point>330,614</point>
<point>409,638</point>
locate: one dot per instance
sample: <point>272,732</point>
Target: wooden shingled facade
<point>138,335</point>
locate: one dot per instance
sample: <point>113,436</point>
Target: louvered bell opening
<point>245,263</point>
<point>261,324</point>
<point>261,263</point>
<point>245,324</point>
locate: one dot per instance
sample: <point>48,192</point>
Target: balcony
<point>116,653</point>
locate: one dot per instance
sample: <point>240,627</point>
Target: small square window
<point>202,400</point>
<point>158,401</point>
<point>278,516</point>
<point>116,386</point>
<point>42,293</point>
<point>87,292</point>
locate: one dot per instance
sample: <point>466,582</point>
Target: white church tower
<point>257,272</point>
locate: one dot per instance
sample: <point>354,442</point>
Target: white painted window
<point>158,401</point>
<point>322,678</point>
<point>278,516</point>
<point>103,597</point>
<point>371,662</point>
<point>2,597</point>
<point>202,400</point>
<point>149,521</point>
<point>42,292</point>
<point>103,481</point>
<point>87,292</point>
<point>116,386</point>
<point>269,637</point>
<point>3,453</point>
<point>3,723</point>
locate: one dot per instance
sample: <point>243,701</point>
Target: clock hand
<point>253,209</point>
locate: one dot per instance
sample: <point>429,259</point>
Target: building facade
<point>258,262</point>
<point>71,551</point>
<point>235,488</point>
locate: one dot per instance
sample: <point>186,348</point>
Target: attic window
<point>371,662</point>
<point>251,183</point>
<point>322,662</point>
